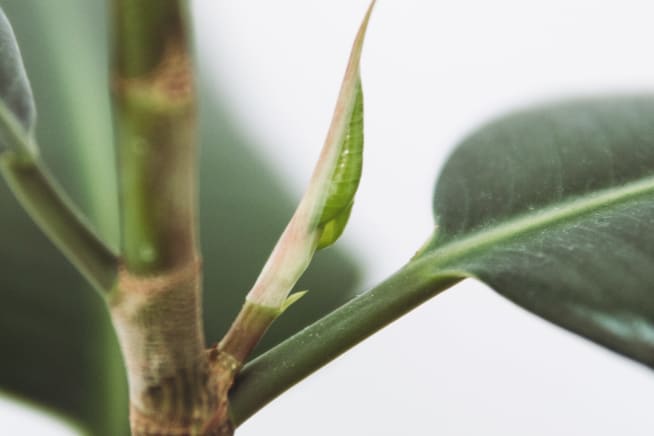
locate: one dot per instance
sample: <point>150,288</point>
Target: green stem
<point>58,218</point>
<point>274,372</point>
<point>155,119</point>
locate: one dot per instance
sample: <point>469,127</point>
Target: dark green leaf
<point>17,111</point>
<point>553,208</point>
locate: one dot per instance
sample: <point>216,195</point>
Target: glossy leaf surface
<point>553,208</point>
<point>17,111</point>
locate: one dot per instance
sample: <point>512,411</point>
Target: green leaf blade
<point>333,229</point>
<point>552,208</point>
<point>561,152</point>
<point>347,171</point>
<point>17,108</point>
<point>345,180</point>
<point>588,286</point>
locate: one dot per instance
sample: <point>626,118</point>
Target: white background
<point>468,362</point>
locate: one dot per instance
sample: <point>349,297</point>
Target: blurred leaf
<point>17,111</point>
<point>58,345</point>
<point>553,208</point>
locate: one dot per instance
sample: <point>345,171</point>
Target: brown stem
<point>172,390</point>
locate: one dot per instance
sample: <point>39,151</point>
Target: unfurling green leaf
<point>333,229</point>
<point>17,109</point>
<point>553,208</point>
<point>325,207</point>
<point>346,176</point>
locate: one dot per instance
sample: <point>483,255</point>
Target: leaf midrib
<point>576,207</point>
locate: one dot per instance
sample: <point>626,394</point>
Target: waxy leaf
<point>17,111</point>
<point>554,209</point>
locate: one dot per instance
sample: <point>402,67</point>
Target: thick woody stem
<point>175,387</point>
<point>172,390</point>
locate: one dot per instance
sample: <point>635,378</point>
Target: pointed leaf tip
<point>325,207</point>
<point>292,299</point>
<point>17,108</point>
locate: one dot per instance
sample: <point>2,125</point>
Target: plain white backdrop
<point>467,362</point>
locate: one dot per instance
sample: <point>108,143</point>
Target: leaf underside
<point>554,209</point>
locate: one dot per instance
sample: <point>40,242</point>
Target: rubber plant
<point>550,206</point>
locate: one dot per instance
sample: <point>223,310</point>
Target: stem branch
<point>274,372</point>
<point>55,214</point>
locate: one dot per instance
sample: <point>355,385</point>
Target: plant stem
<point>274,372</point>
<point>247,329</point>
<point>50,208</point>
<point>174,384</point>
<point>155,118</point>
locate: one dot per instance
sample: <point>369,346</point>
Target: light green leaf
<point>325,207</point>
<point>553,208</point>
<point>17,109</point>
<point>345,177</point>
<point>333,228</point>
